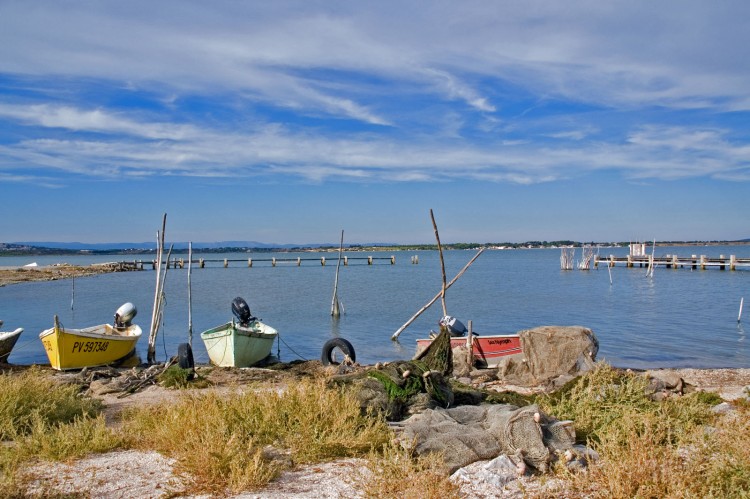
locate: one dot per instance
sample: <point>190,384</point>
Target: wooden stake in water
<point>442,263</point>
<point>400,330</point>
<point>739,316</point>
<point>610,273</point>
<point>335,309</point>
<point>73,292</point>
<point>151,355</point>
<point>190,295</point>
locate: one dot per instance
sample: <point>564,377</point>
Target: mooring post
<point>722,266</point>
<point>273,262</point>
<point>369,260</point>
<point>249,262</point>
<point>393,259</point>
<point>732,262</point>
<point>323,261</point>
<point>202,263</point>
<point>693,261</point>
<point>630,261</point>
<point>346,260</point>
<point>299,261</point>
<point>703,262</point>
<point>226,263</point>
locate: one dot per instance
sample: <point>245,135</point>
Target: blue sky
<point>286,122</point>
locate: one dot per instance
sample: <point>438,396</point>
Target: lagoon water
<point>678,318</point>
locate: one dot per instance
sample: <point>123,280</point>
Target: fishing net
<point>550,352</point>
<point>438,356</point>
<point>467,434</point>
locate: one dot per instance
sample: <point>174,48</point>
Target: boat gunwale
<point>90,332</point>
<point>231,328</point>
<point>4,335</point>
<point>477,337</point>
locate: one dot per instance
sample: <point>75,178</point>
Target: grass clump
<point>669,449</point>
<point>41,419</point>
<point>177,377</point>
<point>29,397</point>
<point>394,472</point>
<point>235,442</point>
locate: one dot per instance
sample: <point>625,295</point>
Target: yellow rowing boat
<point>93,346</point>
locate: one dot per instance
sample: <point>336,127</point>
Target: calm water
<point>680,318</point>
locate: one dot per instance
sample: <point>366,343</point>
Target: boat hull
<point>7,342</point>
<point>231,345</point>
<point>487,350</point>
<point>89,347</point>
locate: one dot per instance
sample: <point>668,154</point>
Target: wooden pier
<point>694,262</point>
<point>180,263</point>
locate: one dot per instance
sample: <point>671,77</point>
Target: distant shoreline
<point>13,250</point>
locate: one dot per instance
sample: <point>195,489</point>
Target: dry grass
<point>29,397</point>
<point>42,420</point>
<point>676,448</point>
<point>235,442</point>
<point>394,473</point>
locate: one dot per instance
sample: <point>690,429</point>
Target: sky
<point>289,121</point>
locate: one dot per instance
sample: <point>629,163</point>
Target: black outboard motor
<point>454,326</point>
<point>241,310</point>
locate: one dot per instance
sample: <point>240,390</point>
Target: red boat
<point>488,350</point>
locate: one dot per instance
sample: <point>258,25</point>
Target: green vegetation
<point>42,419</point>
<point>393,472</point>
<point>234,442</point>
<point>652,449</point>
<point>241,441</point>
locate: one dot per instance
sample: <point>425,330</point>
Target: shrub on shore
<point>674,448</point>
<point>42,419</point>
<point>245,440</point>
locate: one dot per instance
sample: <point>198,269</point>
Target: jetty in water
<point>181,263</point>
<point>693,262</point>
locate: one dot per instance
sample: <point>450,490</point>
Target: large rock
<point>550,353</point>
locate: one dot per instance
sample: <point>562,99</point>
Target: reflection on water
<point>678,317</point>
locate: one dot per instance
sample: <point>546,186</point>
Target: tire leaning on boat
<point>330,348</point>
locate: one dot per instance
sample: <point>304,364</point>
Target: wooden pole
<point>190,295</point>
<point>335,312</point>
<point>394,337</point>
<point>442,263</point>
<point>154,313</point>
<point>470,345</point>
<point>161,303</point>
<point>739,316</point>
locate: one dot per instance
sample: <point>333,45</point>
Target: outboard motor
<point>125,314</point>
<point>454,326</point>
<point>241,310</point>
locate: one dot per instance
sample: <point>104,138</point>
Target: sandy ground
<point>14,275</point>
<point>151,475</point>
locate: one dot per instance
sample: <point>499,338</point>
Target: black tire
<point>185,356</point>
<point>330,348</point>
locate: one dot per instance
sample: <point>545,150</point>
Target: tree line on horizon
<point>7,249</point>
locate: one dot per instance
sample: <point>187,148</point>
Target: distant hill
<point>76,246</point>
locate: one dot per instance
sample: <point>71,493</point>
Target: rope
<point>290,348</point>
